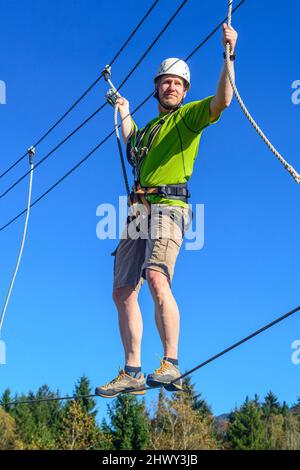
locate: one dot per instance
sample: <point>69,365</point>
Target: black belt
<point>172,191</point>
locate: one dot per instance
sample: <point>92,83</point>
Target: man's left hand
<point>229,35</point>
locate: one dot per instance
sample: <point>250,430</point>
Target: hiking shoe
<point>166,373</point>
<point>123,383</point>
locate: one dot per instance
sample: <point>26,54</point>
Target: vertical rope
<point>31,152</point>
<point>286,165</point>
<point>120,150</point>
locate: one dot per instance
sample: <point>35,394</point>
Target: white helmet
<point>177,67</point>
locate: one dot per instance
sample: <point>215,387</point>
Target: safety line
<point>86,92</point>
<point>292,171</point>
<point>103,105</point>
<point>31,153</point>
<point>3,227</point>
<point>203,364</point>
<point>244,340</point>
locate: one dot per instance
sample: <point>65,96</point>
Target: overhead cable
<point>3,227</point>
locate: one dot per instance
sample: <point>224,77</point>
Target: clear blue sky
<point>61,321</point>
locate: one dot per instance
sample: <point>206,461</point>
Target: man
<point>163,156</point>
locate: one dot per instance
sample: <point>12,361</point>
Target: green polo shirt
<point>174,150</point>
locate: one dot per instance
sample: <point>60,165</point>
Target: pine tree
<point>246,427</point>
<point>24,420</point>
<point>129,425</point>
<point>38,422</point>
<point>199,403</point>
<point>273,418</point>
<point>83,388</point>
<point>285,408</point>
<point>271,405</point>
<point>296,408</point>
<point>5,400</point>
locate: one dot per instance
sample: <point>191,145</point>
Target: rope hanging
<point>286,165</point>
<point>31,153</point>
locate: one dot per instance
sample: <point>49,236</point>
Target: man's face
<point>171,90</point>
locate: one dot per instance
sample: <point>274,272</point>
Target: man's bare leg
<point>130,324</point>
<point>166,312</point>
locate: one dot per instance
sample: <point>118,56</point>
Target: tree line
<point>178,421</point>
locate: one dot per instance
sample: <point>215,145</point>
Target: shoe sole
<point>141,392</point>
<point>173,388</point>
<point>168,387</point>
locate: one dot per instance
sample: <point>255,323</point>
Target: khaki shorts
<point>150,243</point>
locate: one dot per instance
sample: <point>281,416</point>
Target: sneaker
<point>166,373</point>
<point>123,383</point>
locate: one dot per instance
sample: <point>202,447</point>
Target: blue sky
<point>61,322</point>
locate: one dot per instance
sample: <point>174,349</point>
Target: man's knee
<point>123,295</point>
<point>158,282</point>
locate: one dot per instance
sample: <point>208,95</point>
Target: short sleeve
<point>196,115</point>
<point>134,131</point>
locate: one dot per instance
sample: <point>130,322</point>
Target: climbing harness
<point>31,153</point>
<point>136,154</point>
<point>286,165</point>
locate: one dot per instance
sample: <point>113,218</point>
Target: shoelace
<point>164,366</point>
<point>117,379</point>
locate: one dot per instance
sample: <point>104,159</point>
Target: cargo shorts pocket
<point>159,250</point>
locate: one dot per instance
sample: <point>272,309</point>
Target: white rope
<point>286,165</point>
<point>116,126</point>
<point>31,152</point>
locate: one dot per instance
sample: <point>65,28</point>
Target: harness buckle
<point>143,152</point>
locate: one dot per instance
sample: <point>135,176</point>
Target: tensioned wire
<point>200,366</point>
